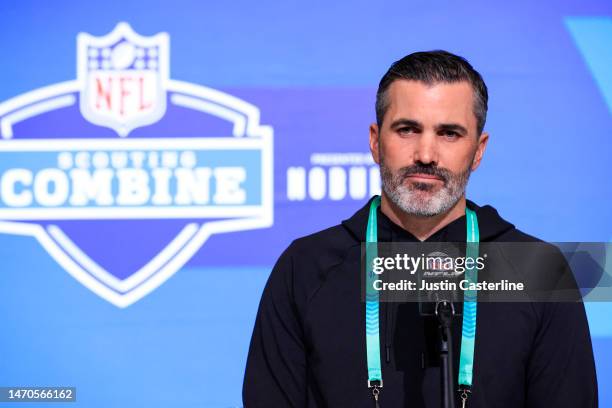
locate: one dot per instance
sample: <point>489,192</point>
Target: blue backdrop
<point>291,85</point>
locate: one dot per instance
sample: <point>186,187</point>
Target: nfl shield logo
<point>123,174</point>
<point>123,78</point>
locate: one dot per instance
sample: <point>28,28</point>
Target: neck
<point>420,226</point>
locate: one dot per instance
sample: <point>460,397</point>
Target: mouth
<point>423,178</point>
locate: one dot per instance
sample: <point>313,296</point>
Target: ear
<point>480,149</point>
<point>374,142</point>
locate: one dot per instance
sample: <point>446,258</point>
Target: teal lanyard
<point>468,333</point>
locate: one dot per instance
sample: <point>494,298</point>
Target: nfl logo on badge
<point>124,173</point>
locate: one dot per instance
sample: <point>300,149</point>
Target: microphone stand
<point>445,312</point>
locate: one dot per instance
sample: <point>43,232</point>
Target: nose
<point>426,150</point>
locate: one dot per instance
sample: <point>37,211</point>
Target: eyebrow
<point>406,122</point>
<point>454,127</point>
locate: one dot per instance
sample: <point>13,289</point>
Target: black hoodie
<point>308,344</point>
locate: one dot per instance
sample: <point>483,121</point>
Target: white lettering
<point>51,197</point>
<point>133,187</point>
<point>192,186</point>
<point>88,186</point>
<point>7,188</point>
<point>228,180</point>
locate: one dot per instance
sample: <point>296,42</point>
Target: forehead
<point>431,103</point>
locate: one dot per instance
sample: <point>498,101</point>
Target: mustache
<point>430,170</point>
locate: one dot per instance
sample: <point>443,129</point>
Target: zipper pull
<point>464,397</point>
<point>375,392</point>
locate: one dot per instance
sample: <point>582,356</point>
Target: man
<point>309,345</point>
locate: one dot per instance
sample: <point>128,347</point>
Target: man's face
<point>427,145</point>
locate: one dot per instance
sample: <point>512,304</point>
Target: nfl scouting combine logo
<point>123,173</point>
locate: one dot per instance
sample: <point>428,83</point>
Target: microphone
<point>445,312</point>
<point>438,282</point>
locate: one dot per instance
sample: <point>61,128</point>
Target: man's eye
<point>406,130</point>
<point>449,134</point>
